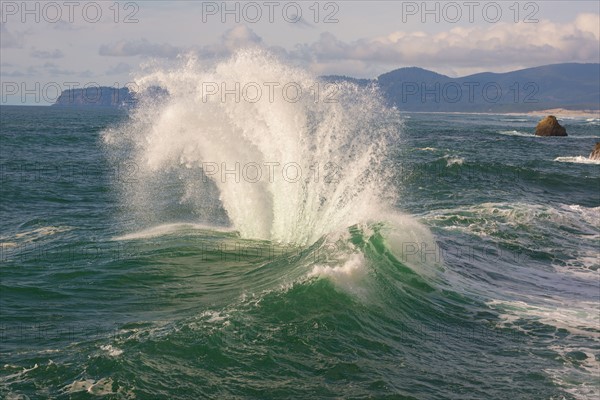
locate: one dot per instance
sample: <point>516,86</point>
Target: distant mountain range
<point>570,86</point>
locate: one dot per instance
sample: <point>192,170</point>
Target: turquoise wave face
<point>479,280</point>
<point>220,315</point>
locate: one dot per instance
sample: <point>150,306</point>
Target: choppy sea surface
<point>190,249</point>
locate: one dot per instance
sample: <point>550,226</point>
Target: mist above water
<point>287,156</point>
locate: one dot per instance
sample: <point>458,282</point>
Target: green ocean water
<point>122,281</point>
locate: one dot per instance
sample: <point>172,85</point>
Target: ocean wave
<point>32,235</point>
<point>584,266</point>
<point>111,351</point>
<point>516,133</point>
<point>100,387</point>
<point>577,317</point>
<point>202,138</point>
<point>516,120</point>
<point>450,161</point>
<point>560,238</point>
<point>347,276</point>
<point>580,364</point>
<point>174,228</point>
<point>426,148</point>
<point>577,160</point>
<point>488,217</point>
<point>41,232</point>
<point>593,121</point>
<point>590,214</point>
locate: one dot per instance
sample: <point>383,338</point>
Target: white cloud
<point>501,46</point>
<point>10,40</point>
<point>55,70</point>
<point>63,25</point>
<point>496,47</point>
<point>589,23</point>
<point>124,48</point>
<point>21,72</point>
<point>240,36</point>
<point>120,68</point>
<point>56,53</point>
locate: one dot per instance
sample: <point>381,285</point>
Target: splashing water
<point>286,156</point>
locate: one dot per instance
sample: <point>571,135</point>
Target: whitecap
<point>169,229</point>
<point>516,133</point>
<point>577,160</point>
<point>111,350</point>
<point>450,161</point>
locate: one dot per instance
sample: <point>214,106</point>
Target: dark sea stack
<point>96,96</point>
<point>595,154</point>
<point>549,126</point>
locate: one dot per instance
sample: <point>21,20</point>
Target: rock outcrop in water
<point>595,154</point>
<point>105,96</point>
<point>549,126</point>
<point>98,96</point>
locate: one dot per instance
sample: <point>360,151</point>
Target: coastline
<point>557,112</point>
<point>561,112</point>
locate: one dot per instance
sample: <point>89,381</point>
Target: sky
<point>47,45</point>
